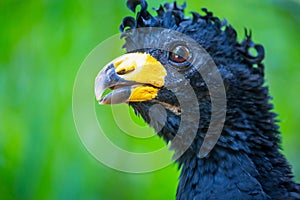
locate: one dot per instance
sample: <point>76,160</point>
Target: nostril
<point>124,71</point>
<point>121,72</point>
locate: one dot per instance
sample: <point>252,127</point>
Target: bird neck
<point>244,164</point>
<point>225,173</point>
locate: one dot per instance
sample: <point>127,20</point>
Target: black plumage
<point>246,162</point>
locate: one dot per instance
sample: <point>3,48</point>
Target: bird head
<point>186,75</point>
<point>175,68</point>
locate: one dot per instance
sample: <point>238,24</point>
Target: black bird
<point>162,67</point>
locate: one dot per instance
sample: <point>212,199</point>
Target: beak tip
<point>101,102</point>
<point>98,92</point>
<point>98,100</point>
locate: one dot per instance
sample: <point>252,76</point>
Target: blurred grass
<point>42,45</point>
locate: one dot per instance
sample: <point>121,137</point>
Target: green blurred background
<point>42,46</point>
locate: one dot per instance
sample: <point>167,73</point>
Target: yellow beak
<point>133,77</point>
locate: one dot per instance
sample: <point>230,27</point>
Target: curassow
<point>243,160</point>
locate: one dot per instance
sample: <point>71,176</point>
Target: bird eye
<point>179,54</point>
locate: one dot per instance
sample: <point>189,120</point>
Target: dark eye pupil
<point>180,54</point>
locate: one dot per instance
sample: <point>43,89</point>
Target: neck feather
<point>224,174</point>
